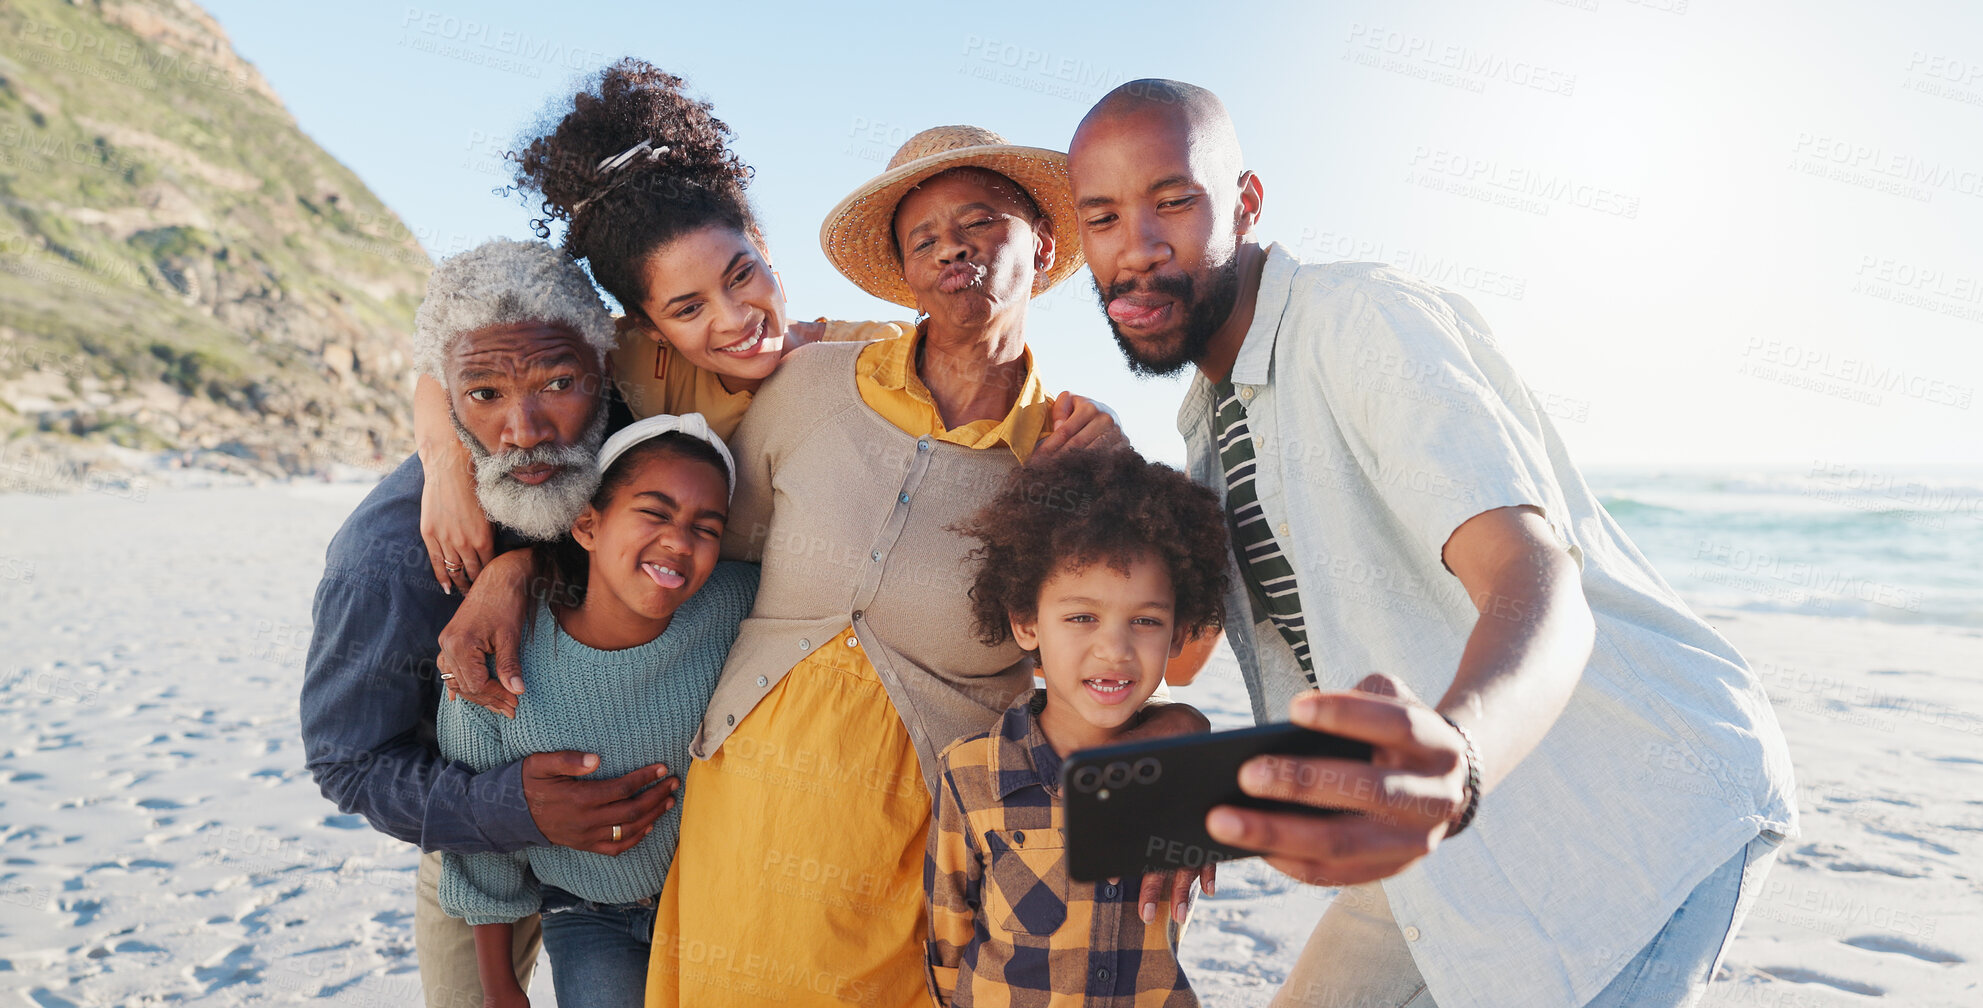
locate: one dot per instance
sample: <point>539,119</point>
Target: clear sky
<point>1708,232</point>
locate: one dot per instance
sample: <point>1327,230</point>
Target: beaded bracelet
<point>1473,781</point>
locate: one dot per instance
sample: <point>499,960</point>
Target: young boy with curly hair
<point>1101,564</point>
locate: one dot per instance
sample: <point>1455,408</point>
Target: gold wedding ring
<point>616,832</point>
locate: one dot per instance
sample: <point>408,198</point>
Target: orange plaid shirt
<point>1008,929</point>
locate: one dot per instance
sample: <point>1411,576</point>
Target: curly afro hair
<point>1097,506</point>
<point>617,216</point>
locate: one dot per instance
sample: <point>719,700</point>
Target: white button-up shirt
<point>1388,418</point>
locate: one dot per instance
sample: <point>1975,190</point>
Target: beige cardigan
<point>850,517</point>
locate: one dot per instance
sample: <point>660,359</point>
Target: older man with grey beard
<point>517,336</point>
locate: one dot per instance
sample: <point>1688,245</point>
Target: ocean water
<point>1881,543</point>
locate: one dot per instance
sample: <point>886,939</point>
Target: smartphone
<point>1141,806</point>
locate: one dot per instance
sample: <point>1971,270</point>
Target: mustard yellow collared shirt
<point>798,878</point>
<point>891,387</point>
<point>655,378</point>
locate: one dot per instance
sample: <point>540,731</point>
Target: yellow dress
<point>798,878</point>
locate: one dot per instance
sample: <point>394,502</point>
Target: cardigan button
<point>805,644</point>
<point>763,682</point>
<point>904,498</point>
<point>923,445</point>
<point>730,719</point>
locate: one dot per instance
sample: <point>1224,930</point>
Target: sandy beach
<point>160,841</point>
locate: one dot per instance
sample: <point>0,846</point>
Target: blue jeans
<point>598,952</point>
<point>1358,959</point>
<point>1675,967</point>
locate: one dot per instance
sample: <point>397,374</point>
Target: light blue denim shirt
<point>1384,417</point>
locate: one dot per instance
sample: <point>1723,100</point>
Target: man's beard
<point>545,512</point>
<point>1202,317</point>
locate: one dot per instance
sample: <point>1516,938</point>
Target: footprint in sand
<point>393,918</point>
<point>238,966</point>
<point>86,910</point>
<point>339,947</point>
<point>329,991</point>
<point>1929,844</point>
<point>1832,857</point>
<point>1797,974</point>
<point>1901,946</point>
<point>126,865</point>
<point>1264,944</point>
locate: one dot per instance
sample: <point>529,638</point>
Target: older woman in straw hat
<point>799,873</point>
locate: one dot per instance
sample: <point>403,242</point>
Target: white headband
<point>691,424</point>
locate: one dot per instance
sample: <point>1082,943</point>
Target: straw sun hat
<point>859,236</point>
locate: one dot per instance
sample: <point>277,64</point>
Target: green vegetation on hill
<point>180,266</point>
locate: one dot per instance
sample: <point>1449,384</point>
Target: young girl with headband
<point>620,660</point>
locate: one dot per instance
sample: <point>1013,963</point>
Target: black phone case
<point>1141,806</point>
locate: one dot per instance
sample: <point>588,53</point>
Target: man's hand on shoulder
<point>1080,422</point>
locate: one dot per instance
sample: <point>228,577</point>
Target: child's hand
<point>1174,888</point>
<point>1163,720</point>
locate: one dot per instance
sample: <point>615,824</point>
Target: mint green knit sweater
<point>633,707</point>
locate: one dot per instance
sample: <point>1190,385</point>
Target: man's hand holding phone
<point>1409,795</point>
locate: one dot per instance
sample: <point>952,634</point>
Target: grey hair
<point>506,282</point>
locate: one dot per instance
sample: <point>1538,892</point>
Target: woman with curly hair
<point>653,202</point>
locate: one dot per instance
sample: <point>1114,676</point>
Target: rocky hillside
<point>183,273</point>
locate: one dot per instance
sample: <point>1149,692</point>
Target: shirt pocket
<point>1026,881</point>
